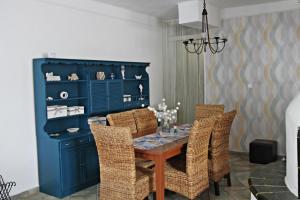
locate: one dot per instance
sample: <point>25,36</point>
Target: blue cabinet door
<point>71,170</point>
<point>98,96</point>
<point>91,164</point>
<point>115,92</point>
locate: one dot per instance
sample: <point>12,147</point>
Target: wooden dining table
<point>159,155</point>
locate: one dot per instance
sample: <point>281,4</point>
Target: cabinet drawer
<point>84,140</point>
<point>68,144</point>
<point>75,142</point>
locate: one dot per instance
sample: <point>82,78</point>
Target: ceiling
<point>167,9</point>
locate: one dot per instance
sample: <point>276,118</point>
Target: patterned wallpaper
<point>258,74</point>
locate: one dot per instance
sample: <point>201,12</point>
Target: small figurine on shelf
<point>141,92</point>
<point>123,71</point>
<point>112,76</point>
<point>73,77</point>
<point>50,77</point>
<point>138,76</point>
<point>49,98</point>
<point>64,95</point>
<point>100,75</point>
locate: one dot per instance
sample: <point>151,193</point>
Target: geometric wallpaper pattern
<point>258,74</point>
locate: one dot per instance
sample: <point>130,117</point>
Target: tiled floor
<point>240,169</point>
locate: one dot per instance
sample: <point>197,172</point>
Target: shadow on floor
<point>240,170</point>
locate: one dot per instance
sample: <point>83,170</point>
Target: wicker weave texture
<point>194,179</point>
<point>145,120</point>
<point>219,147</point>
<point>208,110</point>
<point>119,177</point>
<point>123,119</point>
<point>126,119</point>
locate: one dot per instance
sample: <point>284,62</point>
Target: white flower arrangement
<point>164,114</point>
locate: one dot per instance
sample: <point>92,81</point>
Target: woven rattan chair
<point>146,121</point>
<point>190,177</point>
<point>208,110</point>
<point>219,150</point>
<point>126,119</point>
<point>120,179</point>
<point>123,119</point>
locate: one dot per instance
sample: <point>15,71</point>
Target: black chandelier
<point>216,44</point>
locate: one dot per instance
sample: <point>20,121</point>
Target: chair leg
<point>154,195</point>
<point>217,188</point>
<point>207,194</point>
<point>228,179</point>
<point>204,194</point>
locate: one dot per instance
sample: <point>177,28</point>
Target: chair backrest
<point>123,119</point>
<point>197,148</point>
<point>220,135</point>
<point>146,121</point>
<point>208,110</point>
<point>116,155</point>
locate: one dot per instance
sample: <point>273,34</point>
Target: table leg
<point>160,178</point>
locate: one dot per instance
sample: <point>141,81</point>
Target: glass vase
<point>165,125</point>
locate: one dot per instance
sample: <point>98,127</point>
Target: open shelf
<point>68,99</point>
<point>67,117</point>
<point>137,96</point>
<point>65,81</point>
<point>143,79</point>
<point>66,135</point>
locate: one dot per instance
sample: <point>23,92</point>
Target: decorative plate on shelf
<point>73,130</point>
<point>54,134</point>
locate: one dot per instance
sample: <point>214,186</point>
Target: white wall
<point>72,29</point>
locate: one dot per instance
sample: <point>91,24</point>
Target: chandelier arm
<point>221,48</point>
<point>196,50</point>
<point>218,50</point>
<point>200,47</point>
<point>208,38</point>
<point>187,49</point>
<point>216,42</point>
<point>220,41</point>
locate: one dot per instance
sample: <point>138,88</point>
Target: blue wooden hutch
<point>69,162</point>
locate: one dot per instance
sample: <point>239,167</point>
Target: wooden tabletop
<point>163,148</point>
<point>159,155</point>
